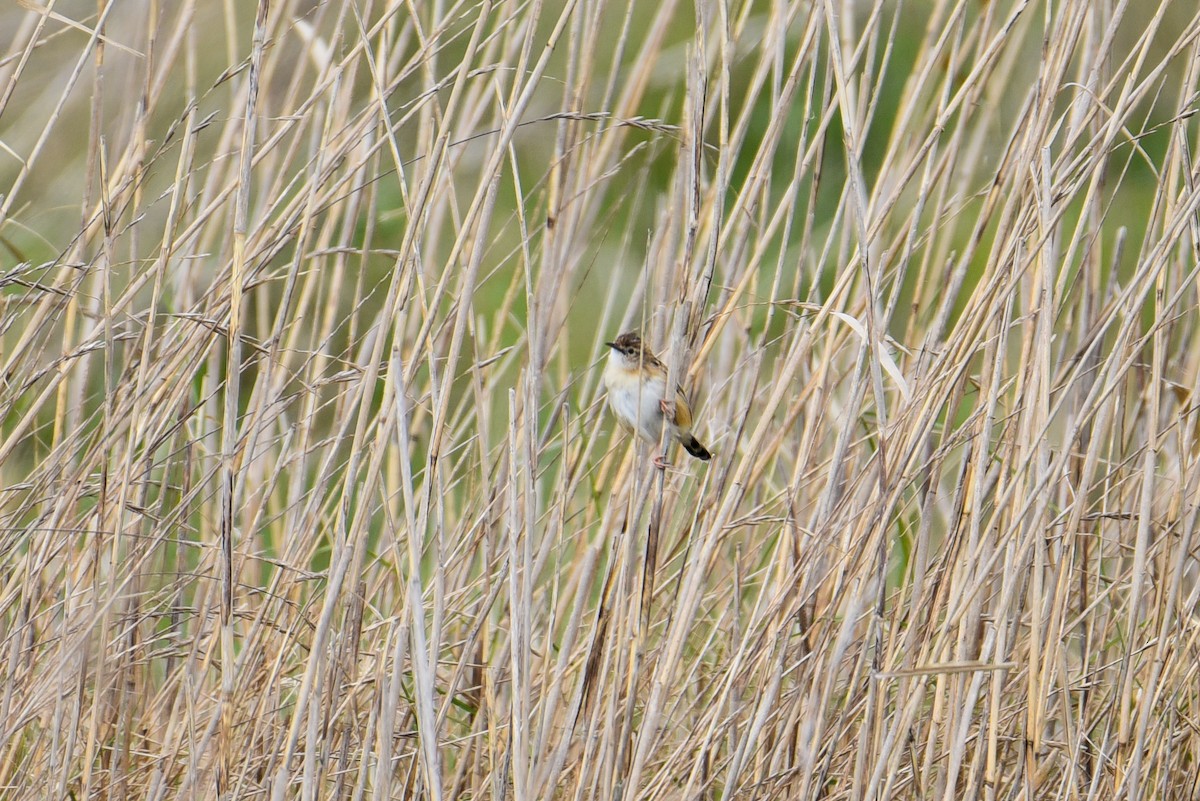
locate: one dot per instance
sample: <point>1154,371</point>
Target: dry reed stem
<point>306,485</point>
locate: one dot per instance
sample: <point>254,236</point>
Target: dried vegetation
<point>306,491</point>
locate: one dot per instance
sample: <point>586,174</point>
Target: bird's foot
<point>661,462</point>
<point>668,408</point>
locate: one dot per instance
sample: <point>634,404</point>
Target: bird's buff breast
<point>636,405</point>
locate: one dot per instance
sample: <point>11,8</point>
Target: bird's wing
<point>683,412</point>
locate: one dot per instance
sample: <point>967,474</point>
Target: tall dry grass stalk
<point>306,489</point>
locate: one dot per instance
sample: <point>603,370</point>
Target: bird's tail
<point>693,446</point>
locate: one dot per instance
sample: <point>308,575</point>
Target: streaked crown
<point>630,346</point>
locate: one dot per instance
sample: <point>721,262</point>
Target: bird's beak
<point>612,345</point>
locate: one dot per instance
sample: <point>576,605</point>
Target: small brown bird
<point>637,392</point>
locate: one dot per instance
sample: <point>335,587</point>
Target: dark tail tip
<point>693,446</point>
